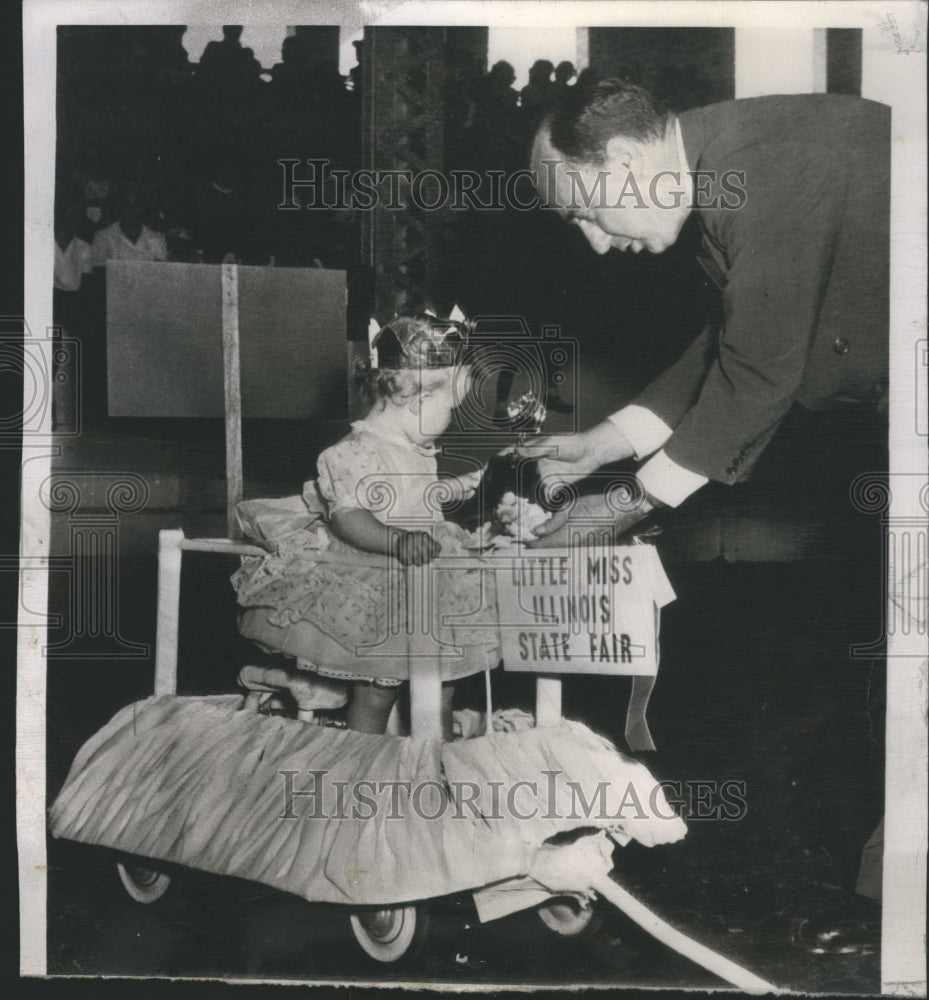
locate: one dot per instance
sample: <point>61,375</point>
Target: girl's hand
<point>414,548</point>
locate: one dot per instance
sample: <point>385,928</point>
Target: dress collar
<point>395,437</point>
<point>691,132</point>
<point>125,238</point>
<point>683,167</point>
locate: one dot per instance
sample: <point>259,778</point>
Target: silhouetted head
<point>588,77</point>
<point>502,74</point>
<point>290,49</point>
<point>232,32</point>
<point>564,71</point>
<point>541,71</point>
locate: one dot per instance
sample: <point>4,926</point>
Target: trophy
<point>510,494</point>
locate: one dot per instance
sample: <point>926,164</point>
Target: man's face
<point>619,203</point>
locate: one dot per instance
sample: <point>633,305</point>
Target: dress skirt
<point>348,621</point>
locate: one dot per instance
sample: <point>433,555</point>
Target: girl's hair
<point>377,384</point>
<point>413,353</point>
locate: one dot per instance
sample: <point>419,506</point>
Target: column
<point>779,61</point>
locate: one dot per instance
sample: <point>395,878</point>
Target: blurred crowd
<point>163,159</point>
<point>159,158</point>
<point>489,123</point>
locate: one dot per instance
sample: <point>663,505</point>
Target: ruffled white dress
<point>348,620</point>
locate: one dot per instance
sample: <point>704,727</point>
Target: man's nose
<point>595,236</point>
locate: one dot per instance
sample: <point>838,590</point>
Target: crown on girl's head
<point>420,340</point>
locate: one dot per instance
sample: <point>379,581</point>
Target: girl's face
<point>437,399</point>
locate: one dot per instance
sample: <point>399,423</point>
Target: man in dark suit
<point>792,198</point>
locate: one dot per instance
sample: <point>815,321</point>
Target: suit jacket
<point>802,261</point>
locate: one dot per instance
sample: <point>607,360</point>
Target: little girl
<point>378,492</point>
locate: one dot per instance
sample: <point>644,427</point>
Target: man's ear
<point>623,153</point>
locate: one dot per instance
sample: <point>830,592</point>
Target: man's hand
<point>593,519</point>
<point>414,547</point>
<point>566,459</point>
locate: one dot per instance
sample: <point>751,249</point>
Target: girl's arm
<point>362,529</point>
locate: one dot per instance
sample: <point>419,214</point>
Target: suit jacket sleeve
<point>675,390</point>
<point>777,251</point>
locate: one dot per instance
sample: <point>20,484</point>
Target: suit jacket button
<point>840,345</point>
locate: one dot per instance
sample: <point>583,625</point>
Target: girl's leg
<point>370,707</point>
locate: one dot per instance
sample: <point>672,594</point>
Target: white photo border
<point>894,71</point>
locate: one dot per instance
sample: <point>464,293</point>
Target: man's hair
<point>588,117</point>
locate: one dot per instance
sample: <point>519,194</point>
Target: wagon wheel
<point>144,885</point>
<point>569,916</point>
<point>391,933</point>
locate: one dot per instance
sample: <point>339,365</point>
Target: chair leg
<point>547,700</point>
<point>168,614</point>
<point>394,722</point>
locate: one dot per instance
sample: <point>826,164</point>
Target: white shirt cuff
<point>665,480</point>
<point>643,430</point>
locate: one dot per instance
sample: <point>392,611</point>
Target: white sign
<point>583,611</point>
